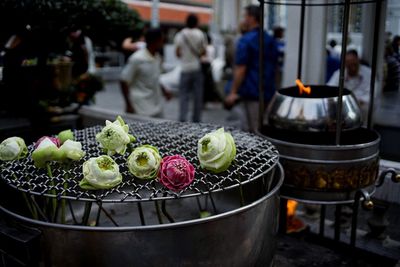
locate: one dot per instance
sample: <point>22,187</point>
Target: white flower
<point>13,148</point>
<point>144,162</point>
<point>114,137</point>
<point>70,150</point>
<point>46,150</point>
<point>100,173</point>
<point>216,151</point>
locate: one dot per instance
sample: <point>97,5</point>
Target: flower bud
<point>144,162</point>
<point>13,148</point>
<point>46,150</point>
<point>176,173</point>
<point>216,151</point>
<point>100,173</point>
<point>66,135</point>
<point>70,150</point>
<point>114,137</point>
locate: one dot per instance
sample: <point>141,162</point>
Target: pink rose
<point>176,173</point>
<point>55,140</point>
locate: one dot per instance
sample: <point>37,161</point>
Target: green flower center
<point>109,133</point>
<point>105,164</point>
<point>142,159</point>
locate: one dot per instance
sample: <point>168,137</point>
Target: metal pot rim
<point>324,147</point>
<point>152,227</point>
<point>346,92</point>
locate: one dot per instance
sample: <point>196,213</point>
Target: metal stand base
<point>361,196</point>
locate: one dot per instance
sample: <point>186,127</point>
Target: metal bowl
<point>315,112</point>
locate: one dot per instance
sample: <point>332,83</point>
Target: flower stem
<point>65,186</point>
<point>53,192</point>
<point>86,213</point>
<point>164,210</point>
<point>31,207</point>
<point>158,212</point>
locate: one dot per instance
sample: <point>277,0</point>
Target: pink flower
<point>176,173</point>
<point>55,140</point>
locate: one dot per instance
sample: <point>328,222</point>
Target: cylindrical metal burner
<point>318,170</point>
<point>141,222</point>
<point>315,112</point>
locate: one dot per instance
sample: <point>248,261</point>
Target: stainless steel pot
<point>318,170</point>
<point>244,236</point>
<point>313,113</point>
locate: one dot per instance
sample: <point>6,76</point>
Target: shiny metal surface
<point>325,153</point>
<point>244,236</point>
<point>323,172</point>
<point>313,113</point>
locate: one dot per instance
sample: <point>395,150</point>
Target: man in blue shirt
<point>245,80</point>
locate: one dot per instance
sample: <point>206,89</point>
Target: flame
<point>291,207</point>
<point>302,88</point>
<point>293,224</point>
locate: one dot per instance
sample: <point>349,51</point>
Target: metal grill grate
<point>255,157</point>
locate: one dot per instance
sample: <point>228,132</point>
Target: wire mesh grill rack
<point>255,157</point>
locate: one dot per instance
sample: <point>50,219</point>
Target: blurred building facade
<point>172,12</point>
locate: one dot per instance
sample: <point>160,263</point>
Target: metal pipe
<point>345,28</point>
<point>301,39</point>
<point>338,213</point>
<point>367,204</point>
<point>261,67</point>
<point>378,6</point>
<point>155,20</point>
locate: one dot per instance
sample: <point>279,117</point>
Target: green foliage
<point>104,21</point>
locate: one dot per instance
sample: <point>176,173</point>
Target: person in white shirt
<point>140,78</point>
<point>357,79</point>
<point>190,46</point>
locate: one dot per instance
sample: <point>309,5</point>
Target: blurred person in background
<point>396,47</point>
<point>279,34</point>
<point>80,51</point>
<point>140,78</point>
<point>333,49</point>
<point>134,42</point>
<point>332,65</point>
<point>391,70</point>
<point>246,73</point>
<point>357,79</point>
<point>190,45</point>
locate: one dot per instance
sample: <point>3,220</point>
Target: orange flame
<point>302,88</point>
<point>293,224</point>
<point>291,208</point>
